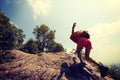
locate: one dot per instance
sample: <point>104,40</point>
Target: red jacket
<point>81,41</point>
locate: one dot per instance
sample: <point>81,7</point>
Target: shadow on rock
<point>75,72</point>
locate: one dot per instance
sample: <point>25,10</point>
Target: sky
<point>101,18</point>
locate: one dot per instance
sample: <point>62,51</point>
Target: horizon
<point>100,18</point>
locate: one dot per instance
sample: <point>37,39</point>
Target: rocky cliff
<point>17,65</point>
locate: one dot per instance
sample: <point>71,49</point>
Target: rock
<point>46,66</point>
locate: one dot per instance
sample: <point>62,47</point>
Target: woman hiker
<point>81,38</point>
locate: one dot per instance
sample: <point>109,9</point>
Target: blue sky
<point>100,17</point>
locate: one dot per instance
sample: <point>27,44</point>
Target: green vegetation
<point>31,46</point>
<point>114,72</point>
<point>45,39</point>
<point>12,37</point>
<point>5,56</point>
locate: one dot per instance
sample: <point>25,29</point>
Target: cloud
<point>105,3</point>
<point>40,7</point>
<point>105,39</point>
<point>105,31</point>
<point>99,10</point>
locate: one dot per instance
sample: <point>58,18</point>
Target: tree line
<point>12,37</point>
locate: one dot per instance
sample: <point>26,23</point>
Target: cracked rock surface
<point>44,66</point>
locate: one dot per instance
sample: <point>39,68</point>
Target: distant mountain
<point>17,65</point>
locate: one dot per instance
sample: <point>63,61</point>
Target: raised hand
<point>74,24</point>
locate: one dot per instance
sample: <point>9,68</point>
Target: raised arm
<point>74,24</point>
<point>73,36</point>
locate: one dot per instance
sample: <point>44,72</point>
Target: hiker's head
<point>86,34</point>
<point>83,33</point>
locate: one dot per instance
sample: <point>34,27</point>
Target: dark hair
<point>86,34</point>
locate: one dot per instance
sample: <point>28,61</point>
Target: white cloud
<point>104,31</point>
<point>105,3</point>
<point>98,10</point>
<point>40,7</point>
<point>105,39</point>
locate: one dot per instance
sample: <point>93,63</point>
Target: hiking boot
<point>82,64</point>
<point>103,70</point>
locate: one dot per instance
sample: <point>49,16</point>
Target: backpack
<point>74,37</point>
<point>82,34</point>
